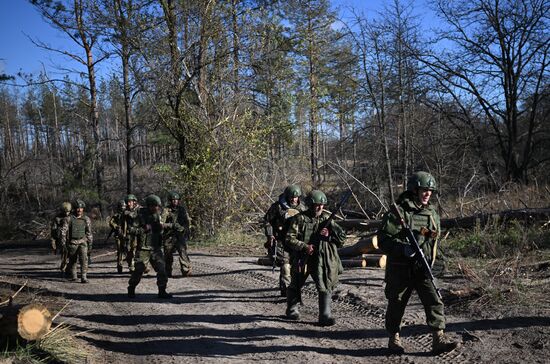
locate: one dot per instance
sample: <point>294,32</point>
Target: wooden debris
<point>30,322</point>
<point>363,246</point>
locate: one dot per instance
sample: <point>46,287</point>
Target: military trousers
<point>131,249</point>
<point>401,280</point>
<point>172,246</point>
<point>156,258</point>
<point>77,251</point>
<point>120,251</point>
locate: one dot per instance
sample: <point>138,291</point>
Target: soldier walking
<point>276,224</point>
<point>55,230</point>
<point>117,225</point>
<point>314,251</point>
<point>129,223</point>
<point>176,224</point>
<point>403,273</point>
<point>149,246</point>
<point>76,237</point>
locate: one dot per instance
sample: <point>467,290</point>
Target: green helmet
<point>131,197</point>
<point>79,204</point>
<point>153,200</point>
<point>292,191</point>
<point>421,179</point>
<point>66,207</point>
<point>317,197</point>
<point>174,196</point>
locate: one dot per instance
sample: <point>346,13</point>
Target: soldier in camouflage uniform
<point>76,237</point>
<point>55,226</point>
<point>314,251</point>
<point>128,223</point>
<point>176,230</point>
<point>403,272</point>
<point>276,225</point>
<point>116,224</point>
<point>149,246</point>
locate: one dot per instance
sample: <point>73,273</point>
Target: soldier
<point>276,225</point>
<point>149,246</point>
<point>314,251</point>
<point>403,273</point>
<point>57,222</point>
<point>129,222</point>
<point>117,226</point>
<point>176,230</point>
<point>76,237</point>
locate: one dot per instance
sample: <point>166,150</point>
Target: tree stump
<point>29,322</point>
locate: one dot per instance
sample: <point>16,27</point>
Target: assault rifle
<point>418,252</point>
<point>110,233</point>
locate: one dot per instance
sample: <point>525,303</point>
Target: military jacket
<point>116,222</point>
<point>303,228</point>
<point>76,230</point>
<point>277,217</point>
<point>130,221</point>
<point>147,239</point>
<point>56,224</point>
<point>176,221</point>
<point>424,222</point>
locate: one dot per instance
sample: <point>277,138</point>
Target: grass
<point>231,241</point>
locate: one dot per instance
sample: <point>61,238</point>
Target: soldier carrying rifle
<point>276,224</point>
<point>409,236</point>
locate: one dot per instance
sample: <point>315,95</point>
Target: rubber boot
<point>84,278</point>
<point>131,291</point>
<point>395,345</point>
<point>163,293</point>
<point>325,315</point>
<point>292,301</point>
<point>441,343</point>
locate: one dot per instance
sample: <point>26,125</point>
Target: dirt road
<point>230,311</point>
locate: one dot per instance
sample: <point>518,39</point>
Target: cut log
<point>363,246</point>
<point>375,260</point>
<point>30,322</point>
<point>354,263</point>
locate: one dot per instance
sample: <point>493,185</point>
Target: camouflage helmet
<point>79,204</point>
<point>421,179</point>
<point>174,196</point>
<point>66,207</point>
<point>131,197</point>
<point>153,200</point>
<point>292,191</point>
<point>317,197</point>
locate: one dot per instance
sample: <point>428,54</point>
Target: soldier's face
<point>131,204</point>
<point>318,209</point>
<point>424,196</point>
<point>154,209</point>
<point>175,202</point>
<point>294,201</point>
<point>79,211</point>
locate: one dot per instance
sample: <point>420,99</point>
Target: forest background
<point>229,101</point>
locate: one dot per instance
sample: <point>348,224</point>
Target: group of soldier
<point>144,236</point>
<point>303,240</point>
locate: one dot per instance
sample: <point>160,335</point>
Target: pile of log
<point>29,322</point>
<point>364,254</point>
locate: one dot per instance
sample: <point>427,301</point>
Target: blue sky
<point>19,20</point>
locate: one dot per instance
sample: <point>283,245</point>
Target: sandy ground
<point>229,310</point>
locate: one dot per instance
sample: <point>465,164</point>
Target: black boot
<point>131,291</point>
<point>325,316</point>
<point>163,293</point>
<point>119,268</point>
<point>292,301</point>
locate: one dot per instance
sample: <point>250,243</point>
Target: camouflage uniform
<point>276,224</point>
<point>149,247</point>
<point>116,224</point>
<point>323,265</point>
<point>129,223</point>
<point>55,226</point>
<point>403,272</point>
<point>176,224</point>
<point>76,237</point>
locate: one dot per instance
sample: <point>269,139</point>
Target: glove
<point>408,251</point>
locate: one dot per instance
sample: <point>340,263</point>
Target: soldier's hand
<point>325,234</point>
<point>408,251</point>
<point>310,249</point>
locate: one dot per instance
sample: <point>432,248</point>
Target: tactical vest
<point>78,228</point>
